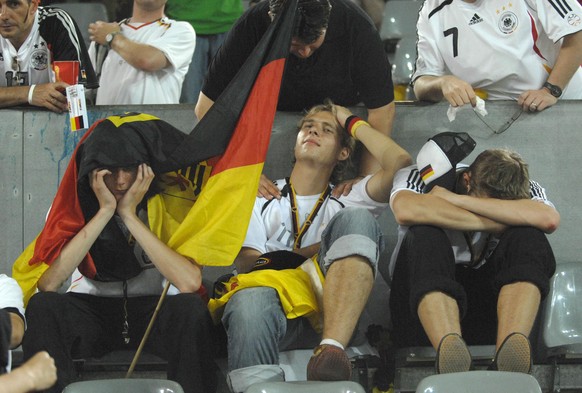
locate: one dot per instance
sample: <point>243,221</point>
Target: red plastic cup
<point>67,71</point>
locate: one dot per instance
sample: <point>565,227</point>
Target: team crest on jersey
<point>39,59</point>
<point>573,19</point>
<point>508,22</point>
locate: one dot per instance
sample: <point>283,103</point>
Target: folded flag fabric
<point>297,289</point>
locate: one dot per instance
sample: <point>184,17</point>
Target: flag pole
<point>147,332</point>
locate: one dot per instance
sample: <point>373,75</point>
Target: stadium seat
<point>562,318</point>
<point>125,386</point>
<point>479,382</point>
<point>306,387</point>
<point>83,14</point>
<point>562,329</point>
<point>398,20</point>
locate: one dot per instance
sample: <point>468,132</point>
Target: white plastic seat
<point>306,387</point>
<point>562,327</point>
<point>84,14</point>
<point>562,318</point>
<point>125,386</point>
<point>479,382</point>
<point>399,19</point>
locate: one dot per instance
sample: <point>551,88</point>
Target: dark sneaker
<point>514,355</point>
<point>329,363</point>
<point>453,356</point>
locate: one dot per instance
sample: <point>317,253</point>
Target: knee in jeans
<point>254,310</point>
<point>354,217</point>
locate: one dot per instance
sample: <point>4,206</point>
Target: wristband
<point>353,123</point>
<point>30,92</point>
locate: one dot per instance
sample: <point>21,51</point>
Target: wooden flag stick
<point>147,332</point>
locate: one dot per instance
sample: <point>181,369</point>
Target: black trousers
<point>5,335</point>
<point>426,263</point>
<point>72,326</point>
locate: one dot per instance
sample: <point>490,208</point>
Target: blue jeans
<point>255,322</point>
<point>206,47</point>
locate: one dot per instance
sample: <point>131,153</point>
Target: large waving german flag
<point>215,228</point>
<point>234,135</point>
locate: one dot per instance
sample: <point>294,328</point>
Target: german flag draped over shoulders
<point>117,141</point>
<point>234,135</point>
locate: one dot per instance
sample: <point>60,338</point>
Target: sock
<point>331,341</point>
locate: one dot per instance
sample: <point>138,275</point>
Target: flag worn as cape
<point>117,141</point>
<point>242,117</point>
<point>215,228</point>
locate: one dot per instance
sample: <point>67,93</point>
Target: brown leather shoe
<point>453,356</point>
<point>329,363</point>
<point>514,355</point>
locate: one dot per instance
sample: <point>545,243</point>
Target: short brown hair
<point>501,174</point>
<point>346,141</point>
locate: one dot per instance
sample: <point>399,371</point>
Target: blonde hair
<point>346,166</point>
<point>501,174</point>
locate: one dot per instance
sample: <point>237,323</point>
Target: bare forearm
<point>17,330</point>
<point>13,96</point>
<point>308,251</point>
<point>141,56</point>
<point>17,381</point>
<point>428,88</point>
<point>381,119</point>
<point>203,105</point>
<point>74,252</point>
<point>245,260</point>
<point>424,209</point>
<point>389,155</point>
<point>522,212</point>
<point>37,373</point>
<point>385,151</point>
<point>179,270</point>
<point>568,61</point>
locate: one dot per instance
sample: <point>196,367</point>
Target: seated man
<point>529,51</point>
<point>307,221</point>
<point>40,371</point>
<point>114,244</point>
<point>32,38</point>
<point>474,262</point>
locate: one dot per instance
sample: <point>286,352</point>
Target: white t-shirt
<point>10,294</point>
<point>271,225</point>
<point>502,47</point>
<point>409,179</point>
<point>10,297</point>
<point>121,83</point>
